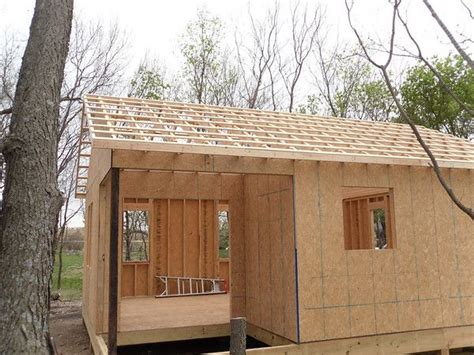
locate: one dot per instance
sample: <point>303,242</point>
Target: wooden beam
<point>266,336</point>
<point>173,334</point>
<point>97,342</point>
<point>396,343</point>
<point>113,263</point>
<point>261,152</point>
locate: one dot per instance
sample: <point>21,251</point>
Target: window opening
<point>368,218</point>
<point>379,228</point>
<point>135,234</point>
<point>223,224</point>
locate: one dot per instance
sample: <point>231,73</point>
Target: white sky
<point>153,26</point>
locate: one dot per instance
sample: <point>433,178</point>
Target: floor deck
<point>150,319</point>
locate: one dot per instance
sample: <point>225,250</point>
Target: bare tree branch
<point>258,60</point>
<point>6,111</point>
<point>304,32</point>
<point>383,68</point>
<point>469,11</point>
<point>456,45</point>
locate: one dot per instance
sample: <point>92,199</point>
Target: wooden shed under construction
<point>340,235</point>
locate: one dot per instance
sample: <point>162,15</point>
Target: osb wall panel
<point>89,293</point>
<point>93,273</point>
<point>95,286</point>
<point>424,282</point>
<point>92,289</point>
<point>102,310</point>
<point>270,262</point>
<point>100,163</point>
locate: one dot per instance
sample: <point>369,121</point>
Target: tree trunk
<point>31,197</point>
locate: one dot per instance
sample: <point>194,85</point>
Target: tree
<point>148,82</point>
<point>67,182</point>
<point>383,66</point>
<point>201,49</point>
<point>347,86</point>
<point>94,64</point>
<point>8,75</point>
<point>31,198</point>
<point>305,25</point>
<point>223,226</point>
<point>430,105</point>
<point>372,101</point>
<point>448,33</point>
<point>257,61</point>
<point>8,72</point>
<point>135,235</point>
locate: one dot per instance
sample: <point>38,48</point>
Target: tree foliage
<point>431,105</point>
<point>347,86</point>
<point>207,73</point>
<point>148,82</point>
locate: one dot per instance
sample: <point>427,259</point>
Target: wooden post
<point>113,262</point>
<point>238,336</point>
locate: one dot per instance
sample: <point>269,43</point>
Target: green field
<point>71,279</point>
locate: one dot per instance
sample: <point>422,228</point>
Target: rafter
<point>128,123</point>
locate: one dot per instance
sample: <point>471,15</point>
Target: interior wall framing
<point>231,179</point>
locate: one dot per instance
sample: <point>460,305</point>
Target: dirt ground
<point>67,329</point>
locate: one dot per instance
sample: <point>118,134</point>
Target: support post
<point>238,336</point>
<point>113,262</point>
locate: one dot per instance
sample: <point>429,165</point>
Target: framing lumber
<point>113,263</point>
<point>265,336</point>
<point>398,343</point>
<point>97,341</point>
<point>150,320</point>
<point>172,334</point>
<point>162,126</point>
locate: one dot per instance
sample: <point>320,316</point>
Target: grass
<point>71,277</point>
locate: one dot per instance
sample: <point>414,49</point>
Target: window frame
<point>358,221</point>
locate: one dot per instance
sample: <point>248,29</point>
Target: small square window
<point>368,218</point>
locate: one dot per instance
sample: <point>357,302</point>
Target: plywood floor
<point>146,313</point>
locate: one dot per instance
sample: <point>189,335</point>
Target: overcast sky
<point>153,26</point>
